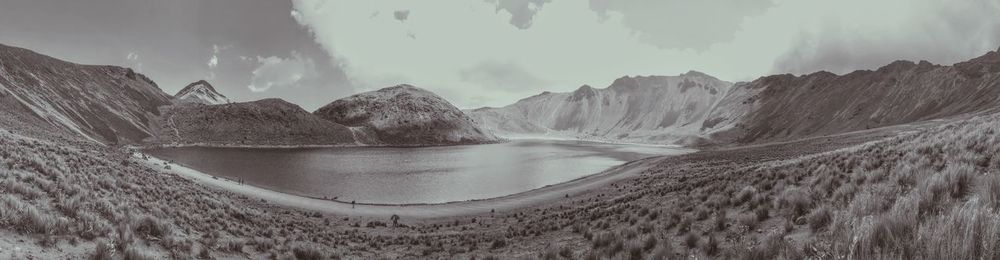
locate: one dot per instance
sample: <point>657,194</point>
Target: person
<point>352,204</point>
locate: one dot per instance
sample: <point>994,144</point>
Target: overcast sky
<point>489,52</point>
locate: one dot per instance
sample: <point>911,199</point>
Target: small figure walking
<point>352,204</point>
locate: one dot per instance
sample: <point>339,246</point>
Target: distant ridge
<point>785,107</point>
<point>642,109</point>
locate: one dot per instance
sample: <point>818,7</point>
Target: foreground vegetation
<point>929,194</point>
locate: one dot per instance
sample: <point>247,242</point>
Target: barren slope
<point>105,103</point>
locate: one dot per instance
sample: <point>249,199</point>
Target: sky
<point>489,52</point>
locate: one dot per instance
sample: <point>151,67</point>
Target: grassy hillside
<point>926,194</point>
<point>262,122</point>
<point>405,115</point>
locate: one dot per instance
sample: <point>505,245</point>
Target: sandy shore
<point>500,204</point>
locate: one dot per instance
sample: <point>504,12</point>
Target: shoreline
<point>301,146</point>
<point>420,210</point>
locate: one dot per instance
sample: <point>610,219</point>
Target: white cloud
<point>274,71</point>
<point>569,44</point>
<point>132,61</point>
<point>213,61</point>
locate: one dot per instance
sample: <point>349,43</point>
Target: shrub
<point>768,249</point>
<point>649,243</point>
<point>989,190</point>
<point>307,253</point>
<point>745,195</point>
<point>499,243</point>
<point>748,220</point>
<point>691,240</point>
<point>795,200</point>
<point>233,246</point>
<point>820,218</point>
<point>150,226</point>
<point>967,232</point>
<point>711,247</point>
<point>134,253</point>
<point>720,221</point>
<point>103,251</point>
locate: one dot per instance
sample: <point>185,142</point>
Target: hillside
<point>405,115</point>
<point>784,107</point>
<point>200,92</point>
<point>108,104</point>
<point>263,122</point>
<point>654,109</point>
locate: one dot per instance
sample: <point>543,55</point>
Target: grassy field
<point>930,192</point>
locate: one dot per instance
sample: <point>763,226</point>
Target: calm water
<point>411,175</point>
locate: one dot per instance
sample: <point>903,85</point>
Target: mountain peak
<point>695,73</point>
<point>201,92</point>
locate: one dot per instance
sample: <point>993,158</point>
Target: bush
<point>820,218</point>
<point>307,253</point>
<point>745,195</point>
<point>989,190</point>
<point>711,247</point>
<point>795,200</point>
<point>498,243</point>
<point>103,251</point>
<point>150,226</point>
<point>134,253</point>
<point>967,232</point>
<point>748,220</point>
<point>768,249</point>
<point>691,240</point>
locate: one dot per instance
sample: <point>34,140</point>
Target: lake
<point>392,175</point>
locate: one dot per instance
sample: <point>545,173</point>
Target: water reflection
<point>411,175</point>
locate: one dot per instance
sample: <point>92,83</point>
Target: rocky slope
<point>107,104</point>
<point>200,92</point>
<point>262,122</point>
<point>784,107</point>
<point>404,115</point>
<point>654,109</point>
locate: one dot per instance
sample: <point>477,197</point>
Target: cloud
<point>213,61</point>
<point>463,46</point>
<point>682,23</point>
<point>401,15</point>
<point>132,61</point>
<point>522,12</point>
<point>276,72</point>
<point>501,75</point>
<point>940,31</point>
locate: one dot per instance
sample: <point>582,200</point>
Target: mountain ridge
<point>105,104</point>
<point>644,109</point>
<point>784,107</point>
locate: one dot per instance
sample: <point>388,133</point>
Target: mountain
<point>405,115</point>
<point>785,107</point>
<point>200,92</point>
<point>653,109</point>
<point>107,104</point>
<point>262,122</point>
